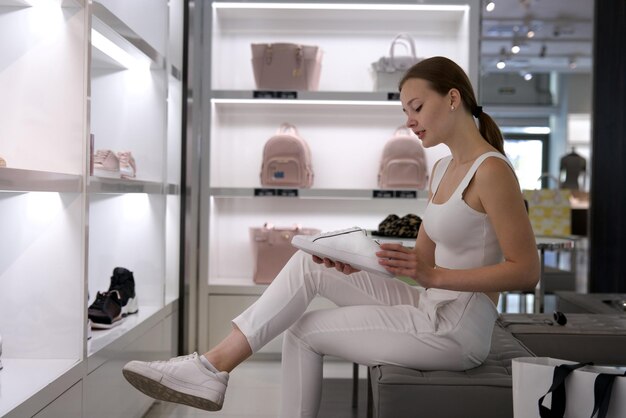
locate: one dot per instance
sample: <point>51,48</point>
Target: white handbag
<point>546,387</point>
<point>388,71</point>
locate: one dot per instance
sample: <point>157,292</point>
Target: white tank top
<point>464,238</point>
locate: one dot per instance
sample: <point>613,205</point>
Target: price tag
<point>262,192</point>
<point>383,194</point>
<point>287,192</point>
<point>406,194</point>
<point>394,194</point>
<point>268,94</point>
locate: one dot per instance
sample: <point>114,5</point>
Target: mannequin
<point>573,165</point>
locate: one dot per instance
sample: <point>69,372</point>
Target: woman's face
<point>427,111</point>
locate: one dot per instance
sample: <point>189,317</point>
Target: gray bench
<point>600,338</point>
<point>484,391</point>
<point>600,303</point>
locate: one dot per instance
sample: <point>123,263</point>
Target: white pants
<point>378,320</point>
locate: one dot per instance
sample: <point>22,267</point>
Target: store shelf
<point>351,35</point>
<point>19,180</point>
<point>103,185</point>
<point>113,28</point>
<point>14,3</point>
<point>125,333</point>
<point>347,194</point>
<point>22,378</point>
<point>235,286</point>
<point>349,97</point>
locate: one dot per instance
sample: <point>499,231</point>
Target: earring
<point>452,108</point>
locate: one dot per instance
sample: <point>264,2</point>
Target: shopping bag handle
<point>602,393</point>
<point>558,391</point>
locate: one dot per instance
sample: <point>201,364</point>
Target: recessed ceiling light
<point>490,6</point>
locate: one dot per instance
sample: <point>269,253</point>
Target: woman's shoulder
<point>495,167</point>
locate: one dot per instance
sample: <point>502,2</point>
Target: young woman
<point>474,242</point>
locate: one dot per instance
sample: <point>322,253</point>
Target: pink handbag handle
<point>403,131</point>
<point>268,225</point>
<point>288,129</point>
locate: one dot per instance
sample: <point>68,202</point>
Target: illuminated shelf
<point>19,180</point>
<point>105,185</point>
<point>347,194</point>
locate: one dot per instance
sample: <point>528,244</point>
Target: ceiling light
<point>515,48</point>
<point>530,33</point>
<point>528,76</point>
<point>501,61</point>
<point>490,6</point>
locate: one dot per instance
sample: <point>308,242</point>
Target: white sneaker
<point>351,246</point>
<point>183,380</point>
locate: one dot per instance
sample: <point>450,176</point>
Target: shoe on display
<point>128,168</point>
<point>183,380</point>
<point>106,164</point>
<point>116,303</point>
<point>351,246</point>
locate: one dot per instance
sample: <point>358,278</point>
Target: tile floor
<point>254,392</point>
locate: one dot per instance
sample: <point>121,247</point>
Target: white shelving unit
<point>63,230</point>
<point>346,124</point>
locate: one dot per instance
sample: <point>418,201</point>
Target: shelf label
<point>268,94</point>
<point>394,194</point>
<point>392,96</point>
<point>406,194</point>
<point>287,192</point>
<point>261,192</point>
<point>382,194</point>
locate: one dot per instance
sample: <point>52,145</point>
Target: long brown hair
<point>443,75</point>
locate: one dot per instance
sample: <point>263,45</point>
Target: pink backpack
<point>286,160</point>
<point>403,163</point>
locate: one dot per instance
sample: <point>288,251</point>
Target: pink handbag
<point>286,66</point>
<point>272,249</point>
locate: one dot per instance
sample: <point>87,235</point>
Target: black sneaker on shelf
<point>116,303</point>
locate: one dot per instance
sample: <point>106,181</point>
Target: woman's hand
<point>403,261</point>
<point>339,266</point>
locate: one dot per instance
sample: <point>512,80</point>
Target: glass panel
<point>526,155</point>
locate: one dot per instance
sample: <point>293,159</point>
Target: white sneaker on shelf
<point>183,380</point>
<point>106,164</point>
<point>128,168</point>
<point>351,246</point>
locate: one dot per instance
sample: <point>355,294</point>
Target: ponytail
<point>490,131</point>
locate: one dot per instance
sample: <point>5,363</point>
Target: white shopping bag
<point>533,377</point>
